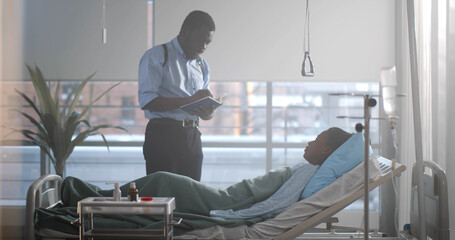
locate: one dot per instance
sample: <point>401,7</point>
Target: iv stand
<point>417,125</point>
<point>368,103</point>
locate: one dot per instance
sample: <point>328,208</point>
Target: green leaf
<point>56,129</point>
<point>34,122</point>
<point>41,89</point>
<point>98,98</point>
<point>83,135</point>
<point>105,142</point>
<point>78,94</point>
<point>70,127</point>
<point>56,104</point>
<point>50,124</point>
<point>32,104</point>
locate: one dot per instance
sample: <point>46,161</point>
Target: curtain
<point>430,35</point>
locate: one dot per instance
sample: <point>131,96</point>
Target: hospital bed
<point>436,202</point>
<point>387,172</point>
<point>297,219</point>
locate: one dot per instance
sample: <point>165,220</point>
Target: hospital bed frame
<point>44,193</point>
<point>436,202</point>
<point>387,173</point>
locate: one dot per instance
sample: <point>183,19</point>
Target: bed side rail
<point>436,202</point>
<point>44,192</point>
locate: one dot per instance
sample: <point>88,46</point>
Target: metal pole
<point>417,120</point>
<point>366,154</point>
<point>269,112</point>
<point>44,164</point>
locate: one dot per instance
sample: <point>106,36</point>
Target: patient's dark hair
<point>336,137</point>
<point>196,19</point>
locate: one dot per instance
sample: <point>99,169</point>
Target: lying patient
<point>316,153</point>
<point>268,194</point>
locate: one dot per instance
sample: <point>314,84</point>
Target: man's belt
<point>173,122</point>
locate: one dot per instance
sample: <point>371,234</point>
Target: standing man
<point>172,75</point>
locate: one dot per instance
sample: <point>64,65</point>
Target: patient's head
<point>325,143</point>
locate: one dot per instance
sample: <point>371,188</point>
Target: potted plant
<point>58,130</point>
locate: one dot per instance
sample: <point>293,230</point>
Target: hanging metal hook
<point>306,45</point>
<point>304,71</point>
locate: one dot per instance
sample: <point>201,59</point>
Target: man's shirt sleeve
<point>150,76</point>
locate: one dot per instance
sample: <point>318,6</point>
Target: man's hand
<point>202,112</point>
<point>201,94</point>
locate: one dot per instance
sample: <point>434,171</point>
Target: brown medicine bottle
<point>133,193</point>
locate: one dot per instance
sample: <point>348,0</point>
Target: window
<point>128,113</point>
<point>261,126</point>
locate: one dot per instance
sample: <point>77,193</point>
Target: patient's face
<point>317,150</point>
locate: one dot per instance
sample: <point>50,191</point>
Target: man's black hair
<point>336,137</point>
<point>196,19</point>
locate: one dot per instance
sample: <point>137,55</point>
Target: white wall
<point>263,40</point>
<point>11,22</point>
<point>255,40</point>
<point>64,38</point>
<point>11,39</point>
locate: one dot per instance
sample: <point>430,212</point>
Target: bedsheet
<point>295,214</point>
<point>326,197</point>
<point>193,202</point>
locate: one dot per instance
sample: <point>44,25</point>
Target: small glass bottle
<point>133,193</point>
